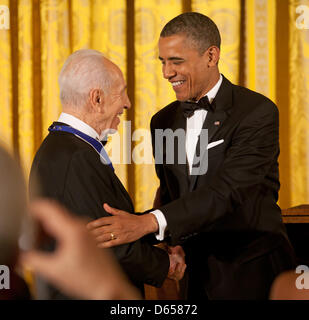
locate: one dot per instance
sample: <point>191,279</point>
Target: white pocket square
<point>215,143</point>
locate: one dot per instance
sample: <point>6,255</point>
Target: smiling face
<point>191,74</point>
<point>116,100</point>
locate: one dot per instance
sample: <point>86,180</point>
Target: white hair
<point>83,71</point>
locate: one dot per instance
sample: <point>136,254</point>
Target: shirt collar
<point>211,94</point>
<point>213,91</point>
<point>78,124</point>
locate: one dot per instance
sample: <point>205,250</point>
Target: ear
<point>212,55</point>
<point>97,99</point>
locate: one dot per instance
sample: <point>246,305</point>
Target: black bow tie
<point>104,140</point>
<point>188,107</point>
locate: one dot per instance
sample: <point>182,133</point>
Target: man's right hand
<point>121,227</point>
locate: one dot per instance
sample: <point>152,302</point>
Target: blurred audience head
<point>12,206</point>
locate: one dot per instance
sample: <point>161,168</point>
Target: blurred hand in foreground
<point>77,266</point>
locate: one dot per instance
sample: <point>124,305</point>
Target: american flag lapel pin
<point>217,123</point>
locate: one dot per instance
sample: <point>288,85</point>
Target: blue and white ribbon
<point>97,145</point>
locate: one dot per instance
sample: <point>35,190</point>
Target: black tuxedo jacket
<point>227,219</point>
<point>69,170</point>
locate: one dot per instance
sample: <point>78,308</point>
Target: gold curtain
<point>299,106</point>
<point>6,120</point>
<point>262,48</point>
<point>151,91</point>
<point>226,15</point>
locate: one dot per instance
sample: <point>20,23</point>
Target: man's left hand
<point>122,227</point>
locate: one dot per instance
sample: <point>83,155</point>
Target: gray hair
<point>12,206</point>
<point>197,27</point>
<point>83,71</point>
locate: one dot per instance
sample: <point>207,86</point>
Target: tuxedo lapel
<point>213,123</point>
<point>223,103</point>
<point>179,123</point>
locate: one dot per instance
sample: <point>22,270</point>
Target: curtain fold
<point>152,92</point>
<point>299,108</point>
<point>55,48</point>
<point>25,77</point>
<point>6,95</point>
<point>227,15</point>
<point>260,49</point>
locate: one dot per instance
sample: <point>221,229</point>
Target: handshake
<point>77,251</point>
<point>123,227</point>
<point>177,263</point>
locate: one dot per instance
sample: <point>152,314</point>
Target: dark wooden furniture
<point>296,220</point>
<point>299,214</point>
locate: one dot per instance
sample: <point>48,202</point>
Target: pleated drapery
<point>262,48</point>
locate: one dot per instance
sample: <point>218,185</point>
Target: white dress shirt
<point>86,129</point>
<point>78,124</point>
<point>194,127</point>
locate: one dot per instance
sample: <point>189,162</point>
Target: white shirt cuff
<point>161,222</point>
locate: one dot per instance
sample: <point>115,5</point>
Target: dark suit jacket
<point>227,219</point>
<point>69,170</point>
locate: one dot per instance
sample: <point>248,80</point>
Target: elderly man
<point>75,254</point>
<point>226,218</point>
<point>72,166</point>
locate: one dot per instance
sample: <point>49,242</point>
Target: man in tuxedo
<point>72,167</point>
<point>220,204</point>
